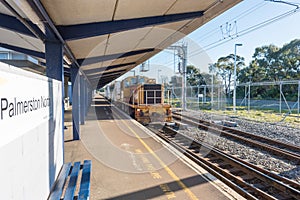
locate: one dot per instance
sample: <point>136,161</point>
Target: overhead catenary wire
<point>245,31</point>
<point>242,32</point>
<point>235,19</point>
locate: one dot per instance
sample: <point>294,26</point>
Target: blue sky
<point>248,13</point>
<point>278,33</point>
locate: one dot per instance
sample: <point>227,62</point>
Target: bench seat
<point>67,182</point>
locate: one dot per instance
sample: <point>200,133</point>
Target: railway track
<point>283,150</point>
<point>248,180</point>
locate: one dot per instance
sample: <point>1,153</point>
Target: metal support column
<point>198,90</point>
<point>234,78</point>
<point>204,95</point>
<point>54,61</point>
<point>82,102</point>
<point>212,91</point>
<point>280,88</point>
<point>86,98</point>
<point>54,70</point>
<point>249,95</point>
<point>75,102</point>
<point>298,99</point>
<point>184,48</point>
<point>54,66</point>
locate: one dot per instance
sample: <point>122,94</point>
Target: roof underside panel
<point>70,12</point>
<point>181,6</point>
<point>117,41</point>
<point>105,38</point>
<point>130,9</point>
<point>88,47</point>
<point>20,40</point>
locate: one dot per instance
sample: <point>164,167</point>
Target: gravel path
<point>253,155</point>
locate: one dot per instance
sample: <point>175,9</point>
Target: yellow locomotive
<point>142,98</point>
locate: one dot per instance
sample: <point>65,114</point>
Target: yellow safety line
<point>169,171</point>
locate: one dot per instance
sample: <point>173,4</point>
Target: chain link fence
<point>280,97</point>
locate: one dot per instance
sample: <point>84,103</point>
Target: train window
<point>158,100</point>
<point>3,55</point>
<point>133,81</point>
<point>141,80</point>
<point>158,93</point>
<point>126,83</point>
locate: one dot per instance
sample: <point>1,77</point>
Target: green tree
<point>271,63</point>
<point>224,68</point>
<point>290,59</point>
<point>194,76</point>
<point>265,59</point>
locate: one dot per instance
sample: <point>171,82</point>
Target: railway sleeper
<point>210,156</point>
<point>183,141</point>
<point>216,161</point>
<point>180,126</point>
<point>194,145</point>
<point>248,178</point>
<point>169,132</point>
<point>258,193</point>
<point>277,193</point>
<point>188,142</point>
<point>237,172</point>
<point>263,187</point>
<point>245,177</point>
<point>226,166</point>
<point>196,150</point>
<point>278,196</point>
<point>256,182</point>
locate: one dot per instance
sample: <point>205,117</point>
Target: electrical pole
<point>184,49</point>
<point>234,76</point>
<point>182,54</point>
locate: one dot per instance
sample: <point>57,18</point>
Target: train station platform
<point>130,162</point>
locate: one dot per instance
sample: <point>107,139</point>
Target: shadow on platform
<point>162,189</point>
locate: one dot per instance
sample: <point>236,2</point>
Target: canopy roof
<point>104,38</point>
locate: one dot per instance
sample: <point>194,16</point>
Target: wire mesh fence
<point>279,96</point>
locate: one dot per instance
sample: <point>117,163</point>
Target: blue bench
<point>66,182</point>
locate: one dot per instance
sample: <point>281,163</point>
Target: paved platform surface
<point>130,163</point>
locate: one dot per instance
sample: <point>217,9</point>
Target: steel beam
<point>103,75</point>
<point>73,32</point>
<point>102,69</point>
<point>107,75</point>
<point>93,60</point>
<point>13,24</point>
<point>24,51</point>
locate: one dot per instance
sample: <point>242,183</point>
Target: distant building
<point>21,61</point>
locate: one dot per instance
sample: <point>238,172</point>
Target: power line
<point>285,2</point>
<point>238,17</point>
<point>246,31</point>
<point>242,32</point>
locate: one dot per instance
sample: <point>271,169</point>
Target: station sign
<point>26,100</point>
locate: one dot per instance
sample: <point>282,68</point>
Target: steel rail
<point>281,149</point>
<point>247,180</point>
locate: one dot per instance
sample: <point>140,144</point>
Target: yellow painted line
<point>169,171</point>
